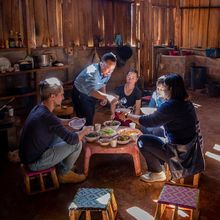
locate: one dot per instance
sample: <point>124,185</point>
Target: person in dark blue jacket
<point>183,149</point>
<point>45,142</point>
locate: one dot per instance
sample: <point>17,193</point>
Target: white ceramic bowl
<point>77,123</point>
<point>148,110</point>
<point>123,141</point>
<point>104,132</point>
<point>104,141</point>
<point>90,138</point>
<point>112,124</point>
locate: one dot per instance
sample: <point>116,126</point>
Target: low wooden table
<point>130,148</point>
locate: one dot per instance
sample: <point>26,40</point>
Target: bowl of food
<point>77,123</point>
<point>92,136</point>
<point>123,139</point>
<point>125,110</point>
<point>133,133</point>
<point>112,124</point>
<point>104,141</point>
<point>107,132</point>
<point>148,110</point>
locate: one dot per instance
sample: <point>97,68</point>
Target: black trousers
<point>154,152</point>
<point>84,106</point>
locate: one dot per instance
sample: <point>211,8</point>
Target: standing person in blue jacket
<point>183,150</point>
<point>45,142</point>
<point>90,86</point>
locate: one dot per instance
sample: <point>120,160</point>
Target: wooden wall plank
<point>75,21</point>
<point>134,24</point>
<point>108,20</point>
<point>1,21</point>
<point>214,28</point>
<point>41,22</point>
<point>52,27</point>
<point>59,23</point>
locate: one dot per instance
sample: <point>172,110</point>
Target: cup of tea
<point>97,127</point>
<point>113,143</point>
<point>11,112</point>
<point>91,127</point>
<point>132,125</point>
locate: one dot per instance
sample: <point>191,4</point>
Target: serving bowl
<point>104,141</point>
<point>123,139</point>
<point>92,136</point>
<point>112,124</point>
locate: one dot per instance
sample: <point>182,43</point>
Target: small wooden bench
<point>181,197</point>
<point>90,200</point>
<point>183,181</point>
<point>30,176</point>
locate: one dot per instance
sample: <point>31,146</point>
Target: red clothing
<point>123,123</point>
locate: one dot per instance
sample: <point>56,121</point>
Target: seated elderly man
<point>45,142</point>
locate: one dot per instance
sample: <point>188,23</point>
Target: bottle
<point>16,39</point>
<point>170,44</point>
<point>11,39</point>
<point>51,42</point>
<point>2,45</point>
<point>20,42</point>
<point>6,44</point>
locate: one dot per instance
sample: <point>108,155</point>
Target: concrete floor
<point>116,172</point>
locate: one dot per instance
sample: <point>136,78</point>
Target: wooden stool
<point>185,198</point>
<point>93,200</point>
<point>30,176</point>
<point>182,181</point>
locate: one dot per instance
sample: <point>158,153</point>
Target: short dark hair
<point>133,71</point>
<point>176,85</point>
<point>109,56</point>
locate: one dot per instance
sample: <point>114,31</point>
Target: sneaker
<point>151,177</point>
<point>71,177</point>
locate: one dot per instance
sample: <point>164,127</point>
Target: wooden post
<point>158,212</point>
<point>104,215</point>
<point>196,180</point>
<point>42,186</point>
<point>110,211</point>
<point>55,179</point>
<point>27,184</point>
<point>88,215</point>
<point>175,215</point>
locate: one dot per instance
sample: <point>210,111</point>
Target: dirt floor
<point>115,172</point>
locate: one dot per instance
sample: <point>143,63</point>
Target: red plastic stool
<point>30,176</point>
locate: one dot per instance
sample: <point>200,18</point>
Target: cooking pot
<point>43,60</point>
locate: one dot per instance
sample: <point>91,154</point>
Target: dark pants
<point>154,152</point>
<point>84,106</point>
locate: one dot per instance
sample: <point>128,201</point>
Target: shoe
<point>71,177</point>
<point>151,177</point>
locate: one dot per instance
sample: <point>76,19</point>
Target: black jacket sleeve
<point>160,117</point>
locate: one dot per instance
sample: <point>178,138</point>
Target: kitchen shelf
<point>37,78</point>
<point>18,96</point>
<point>37,70</point>
<point>12,49</point>
<point>47,48</point>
